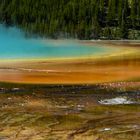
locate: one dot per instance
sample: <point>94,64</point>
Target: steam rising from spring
<point>15,45</point>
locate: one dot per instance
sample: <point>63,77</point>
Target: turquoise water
<point>14,45</point>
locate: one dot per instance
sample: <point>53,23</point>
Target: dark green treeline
<point>83,19</point>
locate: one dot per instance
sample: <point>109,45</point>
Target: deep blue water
<point>14,45</point>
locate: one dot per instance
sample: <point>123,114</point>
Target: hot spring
<point>14,45</point>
